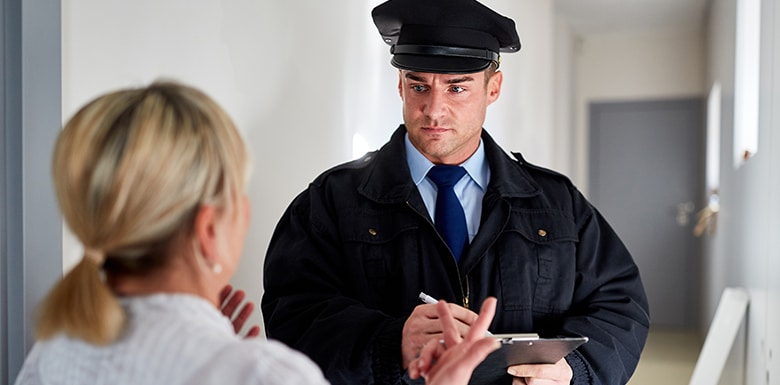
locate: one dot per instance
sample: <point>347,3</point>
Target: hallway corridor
<point>669,358</point>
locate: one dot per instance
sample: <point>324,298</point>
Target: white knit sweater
<point>170,339</point>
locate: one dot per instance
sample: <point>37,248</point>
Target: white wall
<point>638,65</point>
<point>522,120</point>
<point>771,134</point>
<point>744,251</point>
<point>300,78</point>
<point>563,111</point>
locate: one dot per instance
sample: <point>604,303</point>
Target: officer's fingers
<point>421,325</point>
<point>463,316</point>
<point>425,311</point>
<point>558,373</point>
<point>542,381</point>
<point>418,329</point>
<point>423,320</point>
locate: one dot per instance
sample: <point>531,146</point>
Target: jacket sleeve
<point>609,304</point>
<point>305,305</point>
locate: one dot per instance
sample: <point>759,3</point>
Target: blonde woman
<point>152,181</point>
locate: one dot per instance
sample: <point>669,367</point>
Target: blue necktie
<point>449,218</point>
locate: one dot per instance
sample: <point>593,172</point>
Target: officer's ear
<point>400,83</point>
<point>494,86</point>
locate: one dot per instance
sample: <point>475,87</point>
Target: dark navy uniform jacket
<point>353,251</point>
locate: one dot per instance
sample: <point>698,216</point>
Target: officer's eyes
<point>419,88</point>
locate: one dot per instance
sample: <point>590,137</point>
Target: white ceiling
<point>609,16</point>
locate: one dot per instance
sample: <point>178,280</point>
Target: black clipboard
<point>522,349</point>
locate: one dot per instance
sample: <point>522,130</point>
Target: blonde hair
<point>130,170</point>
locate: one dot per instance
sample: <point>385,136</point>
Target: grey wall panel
<point>11,218</point>
<point>32,228</point>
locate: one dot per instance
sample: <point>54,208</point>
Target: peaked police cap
<point>444,36</point>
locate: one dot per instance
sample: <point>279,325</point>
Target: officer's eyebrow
<point>462,79</point>
<point>415,77</point>
<point>418,78</point>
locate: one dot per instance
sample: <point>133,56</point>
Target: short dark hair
<point>490,71</point>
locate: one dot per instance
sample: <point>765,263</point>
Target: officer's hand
<point>452,360</point>
<point>423,324</point>
<point>559,373</point>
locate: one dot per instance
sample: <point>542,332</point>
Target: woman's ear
<point>206,233</point>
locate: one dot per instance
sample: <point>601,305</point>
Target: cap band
<point>436,50</point>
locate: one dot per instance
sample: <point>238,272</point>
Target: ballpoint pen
<point>427,298</point>
<point>430,300</point>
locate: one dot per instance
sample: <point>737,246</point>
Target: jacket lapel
<point>508,180</point>
<point>388,180</point>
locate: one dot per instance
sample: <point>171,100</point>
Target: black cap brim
<point>439,64</point>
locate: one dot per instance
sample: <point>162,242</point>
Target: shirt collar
<point>475,166</point>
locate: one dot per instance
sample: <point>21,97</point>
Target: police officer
<point>351,253</point>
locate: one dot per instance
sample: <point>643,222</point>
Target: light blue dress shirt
<point>470,189</point>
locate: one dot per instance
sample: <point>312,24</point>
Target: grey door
<point>646,177</point>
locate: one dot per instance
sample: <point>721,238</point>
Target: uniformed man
<point>352,252</point>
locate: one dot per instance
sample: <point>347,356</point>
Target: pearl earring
<point>216,268</point>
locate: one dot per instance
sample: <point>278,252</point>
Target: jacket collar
<point>508,177</point>
<point>389,181</point>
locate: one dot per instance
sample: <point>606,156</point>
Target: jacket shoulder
<point>539,171</point>
<point>353,167</point>
<point>557,187</point>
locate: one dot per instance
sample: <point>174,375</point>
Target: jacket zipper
<point>464,293</point>
<point>466,296</point>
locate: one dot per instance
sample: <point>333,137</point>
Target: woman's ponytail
<point>82,306</point>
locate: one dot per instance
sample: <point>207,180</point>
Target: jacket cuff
<point>580,370</point>
<point>386,357</point>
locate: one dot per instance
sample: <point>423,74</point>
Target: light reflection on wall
<point>746,80</point>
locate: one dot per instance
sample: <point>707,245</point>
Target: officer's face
<point>444,113</point>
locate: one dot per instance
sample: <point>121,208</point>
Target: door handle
<point>706,218</point>
<point>684,211</point>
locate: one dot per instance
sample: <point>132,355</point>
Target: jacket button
<point>372,232</point>
<point>542,233</point>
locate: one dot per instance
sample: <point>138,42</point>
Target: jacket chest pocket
<point>380,250</point>
<point>537,261</point>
